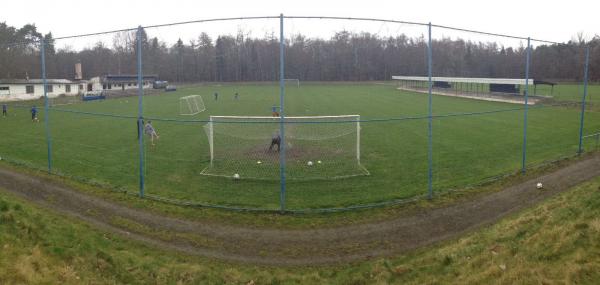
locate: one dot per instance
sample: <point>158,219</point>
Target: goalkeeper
<point>275,141</point>
<point>150,131</point>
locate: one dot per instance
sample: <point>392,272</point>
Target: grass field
<point>555,242</point>
<point>466,149</point>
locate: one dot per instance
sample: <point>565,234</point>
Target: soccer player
<point>216,96</point>
<point>274,111</point>
<point>4,110</point>
<point>34,112</point>
<point>140,124</point>
<point>275,140</point>
<point>149,130</point>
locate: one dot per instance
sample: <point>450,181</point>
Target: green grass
<point>466,150</point>
<point>555,242</point>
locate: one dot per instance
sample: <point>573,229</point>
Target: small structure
<point>119,82</point>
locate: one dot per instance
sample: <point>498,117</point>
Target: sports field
<point>471,142</point>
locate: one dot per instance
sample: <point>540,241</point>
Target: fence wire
<point>294,113</point>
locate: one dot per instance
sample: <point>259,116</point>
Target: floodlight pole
<point>585,86</point>
<point>430,122</point>
<point>140,121</point>
<point>526,105</point>
<point>46,104</point>
<point>281,115</point>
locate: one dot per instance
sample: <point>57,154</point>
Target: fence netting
<point>206,113</point>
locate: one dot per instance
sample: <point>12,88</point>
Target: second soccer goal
<point>191,105</point>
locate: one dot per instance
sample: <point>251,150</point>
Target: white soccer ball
<point>310,163</point>
<point>259,162</point>
<point>539,185</point>
<point>236,176</point>
<point>319,162</point>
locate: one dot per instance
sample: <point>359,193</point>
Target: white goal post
<point>316,147</point>
<point>191,105</point>
<point>293,81</point>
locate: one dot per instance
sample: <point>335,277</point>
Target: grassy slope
<point>555,242</point>
<point>466,149</point>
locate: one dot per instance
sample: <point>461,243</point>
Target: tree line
<point>346,56</point>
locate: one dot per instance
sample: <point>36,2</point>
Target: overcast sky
<point>551,20</point>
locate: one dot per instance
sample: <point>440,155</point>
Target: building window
<point>80,87</point>
<point>109,86</point>
<point>50,89</point>
<point>4,88</point>
<point>103,86</point>
<point>68,88</point>
<point>29,89</point>
<point>129,84</point>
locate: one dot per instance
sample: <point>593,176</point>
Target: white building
<point>123,82</point>
<point>31,89</point>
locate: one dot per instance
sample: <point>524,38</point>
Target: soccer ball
<point>236,176</point>
<point>259,162</point>
<point>319,162</point>
<point>310,163</point>
<point>539,185</point>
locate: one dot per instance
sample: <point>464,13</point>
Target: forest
<point>346,56</point>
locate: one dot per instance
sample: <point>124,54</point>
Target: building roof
<point>36,81</point>
<point>513,81</point>
<point>127,77</point>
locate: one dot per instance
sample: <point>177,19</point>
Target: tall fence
<point>295,113</point>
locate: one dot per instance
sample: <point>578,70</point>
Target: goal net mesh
<point>62,100</point>
<point>191,105</point>
<point>316,147</point>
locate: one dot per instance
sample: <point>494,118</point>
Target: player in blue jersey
<point>34,112</point>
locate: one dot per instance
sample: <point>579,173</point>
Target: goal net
<point>191,105</point>
<point>294,82</point>
<point>316,147</point>
<point>62,100</point>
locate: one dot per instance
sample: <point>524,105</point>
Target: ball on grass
<point>236,176</point>
<point>259,162</point>
<point>319,162</point>
<point>539,185</point>
<point>309,163</point>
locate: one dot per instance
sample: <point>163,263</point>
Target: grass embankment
<point>555,242</point>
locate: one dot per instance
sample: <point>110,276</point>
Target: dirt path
<point>298,247</point>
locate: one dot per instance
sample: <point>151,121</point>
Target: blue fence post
<point>430,123</point>
<point>140,109</point>
<point>46,104</point>
<point>585,85</point>
<point>281,115</point>
<point>526,105</point>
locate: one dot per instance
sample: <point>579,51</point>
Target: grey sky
<point>550,20</point>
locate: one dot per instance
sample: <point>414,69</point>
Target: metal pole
<point>46,107</point>
<point>526,105</point>
<point>430,123</point>
<point>140,109</point>
<point>585,85</point>
<point>281,115</point>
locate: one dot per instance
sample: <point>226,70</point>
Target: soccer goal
<point>191,105</point>
<point>62,100</point>
<point>316,147</point>
<point>295,82</point>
